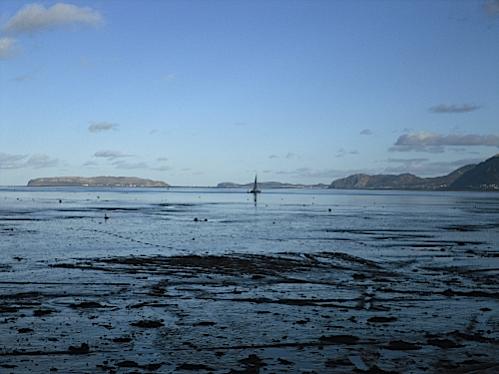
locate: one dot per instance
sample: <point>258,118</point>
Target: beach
<point>202,280</point>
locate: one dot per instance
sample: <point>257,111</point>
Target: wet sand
<point>316,312</point>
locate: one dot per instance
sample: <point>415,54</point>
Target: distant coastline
<point>475,177</point>
<point>483,176</point>
<point>270,185</point>
<point>95,182</point>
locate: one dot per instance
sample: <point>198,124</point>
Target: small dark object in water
<point>444,343</point>
<point>253,362</point>
<point>124,339</point>
<point>205,323</point>
<point>87,304</point>
<point>24,330</point>
<point>196,219</point>
<point>329,210</point>
<point>400,345</point>
<point>206,219</point>
<point>339,339</point>
<point>127,364</point>
<point>147,324</point>
<point>193,367</point>
<point>106,217</point>
<point>379,319</point>
<point>60,201</point>
<point>82,349</point>
<point>41,312</point>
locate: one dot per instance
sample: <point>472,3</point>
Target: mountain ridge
<point>483,176</point>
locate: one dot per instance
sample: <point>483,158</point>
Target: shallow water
<point>36,225</point>
<point>306,280</point>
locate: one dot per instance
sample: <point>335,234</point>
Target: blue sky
<point>199,92</point>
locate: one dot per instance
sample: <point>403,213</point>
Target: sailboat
<point>255,189</point>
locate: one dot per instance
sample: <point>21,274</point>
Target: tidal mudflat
<point>202,280</point>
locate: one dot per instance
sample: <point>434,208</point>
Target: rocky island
<point>95,182</point>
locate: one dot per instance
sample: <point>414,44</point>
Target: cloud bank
<point>35,17</point>
<point>435,143</point>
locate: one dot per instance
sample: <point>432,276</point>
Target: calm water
<point>35,225</point>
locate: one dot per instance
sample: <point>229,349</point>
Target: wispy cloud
<point>121,164</point>
<point>310,173</point>
<point>366,132</point>
<point>162,159</point>
<point>102,126</point>
<point>35,17</point>
<point>343,152</point>
<point>36,161</point>
<point>492,7</point>
<point>111,155</point>
<point>11,161</point>
<point>162,168</point>
<point>435,143</point>
<point>463,108</point>
<point>287,156</point>
<point>424,167</point>
<point>23,78</point>
<point>90,163</point>
<point>7,47</point>
<point>169,77</point>
<point>40,161</point>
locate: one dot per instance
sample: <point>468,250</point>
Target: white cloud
<point>35,17</point>
<point>435,143</point>
<point>7,46</point>
<point>111,155</point>
<point>102,126</point>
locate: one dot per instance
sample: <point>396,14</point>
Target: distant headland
<point>95,182</point>
<point>475,177</point>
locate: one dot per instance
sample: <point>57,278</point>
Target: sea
<point>71,222</point>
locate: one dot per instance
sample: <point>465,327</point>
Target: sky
<point>200,92</point>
